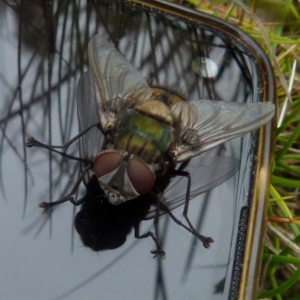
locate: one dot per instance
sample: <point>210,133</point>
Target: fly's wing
<point>90,144</point>
<point>204,124</point>
<point>205,175</point>
<point>117,83</point>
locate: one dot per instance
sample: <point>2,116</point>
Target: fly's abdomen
<point>146,132</point>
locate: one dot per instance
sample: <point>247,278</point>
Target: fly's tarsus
<point>31,142</point>
<point>159,252</point>
<point>206,241</point>
<point>48,205</point>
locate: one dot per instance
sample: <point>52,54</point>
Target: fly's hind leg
<point>204,239</point>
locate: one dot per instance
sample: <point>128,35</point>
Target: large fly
<point>133,135</point>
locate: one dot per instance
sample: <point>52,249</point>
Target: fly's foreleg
<point>69,197</point>
<point>32,142</point>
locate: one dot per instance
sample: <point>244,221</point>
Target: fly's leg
<point>32,142</point>
<point>159,251</point>
<point>69,197</point>
<point>204,239</point>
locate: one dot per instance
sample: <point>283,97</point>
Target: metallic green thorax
<point>143,136</point>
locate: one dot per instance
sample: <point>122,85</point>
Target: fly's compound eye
<point>141,177</point>
<point>106,163</point>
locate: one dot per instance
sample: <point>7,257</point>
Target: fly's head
<point>123,177</point>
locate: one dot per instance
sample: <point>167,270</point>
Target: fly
<point>133,135</point>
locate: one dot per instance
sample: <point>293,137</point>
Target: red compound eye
<point>106,163</point>
<point>141,177</point>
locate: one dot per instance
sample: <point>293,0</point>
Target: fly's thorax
<point>177,104</point>
<point>146,132</point>
<point>156,110</point>
<point>123,176</point>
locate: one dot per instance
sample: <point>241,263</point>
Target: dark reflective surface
<point>43,53</point>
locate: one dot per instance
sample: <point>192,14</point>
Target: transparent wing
<point>204,124</point>
<point>204,177</point>
<point>117,83</point>
<point>90,144</point>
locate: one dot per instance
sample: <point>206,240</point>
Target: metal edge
<point>257,219</point>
